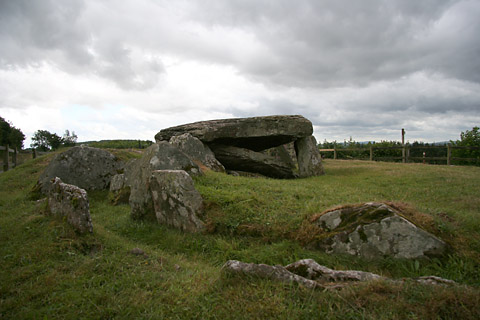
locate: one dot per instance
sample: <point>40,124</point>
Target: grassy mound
<point>50,272</point>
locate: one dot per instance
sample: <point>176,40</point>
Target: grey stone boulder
<point>375,230</point>
<point>197,151</point>
<point>85,167</point>
<point>255,133</point>
<point>308,157</point>
<point>176,201</point>
<point>159,156</point>
<point>71,203</point>
<point>240,159</point>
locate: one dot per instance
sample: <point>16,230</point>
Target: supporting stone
<point>197,151</point>
<point>234,158</point>
<point>309,158</point>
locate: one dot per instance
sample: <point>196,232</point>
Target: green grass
<point>50,272</point>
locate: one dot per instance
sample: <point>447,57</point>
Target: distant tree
<point>44,140</point>
<point>69,140</point>
<point>10,135</point>
<point>40,140</point>
<point>469,138</point>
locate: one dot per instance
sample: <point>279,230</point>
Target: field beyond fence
<point>406,154</point>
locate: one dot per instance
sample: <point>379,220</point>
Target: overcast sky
<point>124,69</point>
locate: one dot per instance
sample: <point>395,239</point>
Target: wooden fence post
<point>34,153</point>
<point>6,159</point>
<point>371,153</point>
<point>408,155</point>
<point>449,154</point>
<point>334,153</point>
<point>14,159</point>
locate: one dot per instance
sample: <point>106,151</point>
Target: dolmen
<point>247,144</point>
<point>160,185</point>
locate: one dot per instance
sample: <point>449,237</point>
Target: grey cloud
<point>57,32</point>
<point>336,43</point>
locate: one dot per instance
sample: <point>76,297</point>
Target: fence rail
<point>405,157</point>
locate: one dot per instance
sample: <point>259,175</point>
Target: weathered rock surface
<point>256,133</point>
<point>159,156</point>
<point>309,273</point>
<point>310,269</point>
<point>197,151</point>
<point>71,202</point>
<point>376,230</point>
<point>283,154</point>
<point>236,143</point>
<point>264,271</point>
<point>176,201</point>
<point>119,190</point>
<point>309,158</point>
<point>85,167</point>
<point>234,158</point>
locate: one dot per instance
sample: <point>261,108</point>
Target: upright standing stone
<point>309,158</point>
<point>159,156</point>
<point>176,201</point>
<point>71,202</point>
<point>197,151</point>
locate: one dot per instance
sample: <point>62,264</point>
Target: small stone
<point>138,252</point>
<point>71,202</point>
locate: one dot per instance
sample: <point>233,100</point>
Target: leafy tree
<point>10,135</point>
<point>469,138</point>
<point>44,140</point>
<point>16,138</point>
<point>41,140</point>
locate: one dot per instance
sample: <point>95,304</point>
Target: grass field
<point>49,272</point>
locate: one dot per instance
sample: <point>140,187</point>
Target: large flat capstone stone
<point>255,133</point>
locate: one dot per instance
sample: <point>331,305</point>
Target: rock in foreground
<point>71,202</point>
<point>375,230</point>
<point>159,156</point>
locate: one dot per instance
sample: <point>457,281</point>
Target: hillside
<point>50,272</point>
